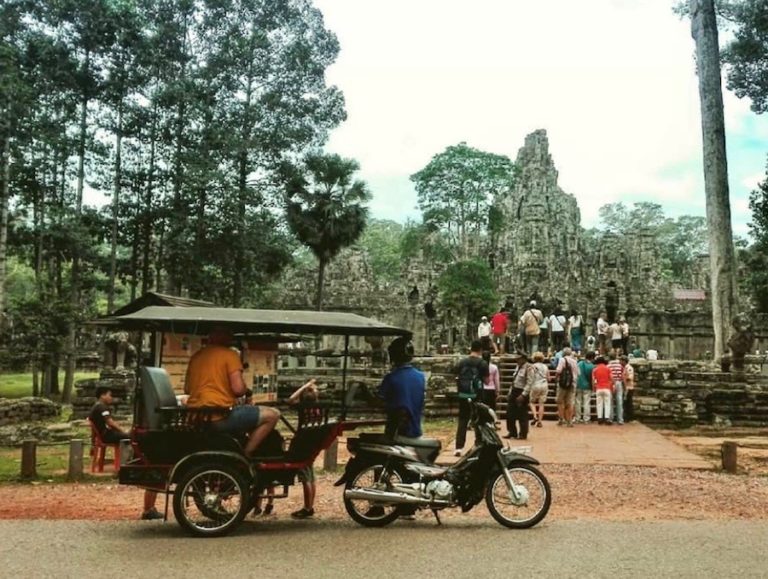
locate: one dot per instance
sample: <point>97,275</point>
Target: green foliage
<point>382,241</point>
<point>467,287</point>
<point>324,207</point>
<point>755,258</point>
<point>427,239</point>
<point>20,385</point>
<point>679,241</point>
<point>456,191</point>
<point>183,111</point>
<point>746,55</point>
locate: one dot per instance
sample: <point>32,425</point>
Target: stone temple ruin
<point>542,251</point>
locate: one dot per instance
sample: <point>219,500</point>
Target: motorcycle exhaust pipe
<point>391,498</point>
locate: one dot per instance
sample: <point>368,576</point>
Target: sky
<point>612,82</point>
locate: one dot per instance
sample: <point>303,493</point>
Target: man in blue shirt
<point>403,391</point>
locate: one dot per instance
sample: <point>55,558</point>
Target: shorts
<point>306,474</point>
<point>242,419</point>
<point>539,394</point>
<point>566,396</point>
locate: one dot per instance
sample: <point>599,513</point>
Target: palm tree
<point>324,207</point>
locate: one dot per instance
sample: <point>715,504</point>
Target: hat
<point>533,303</point>
<point>484,319</point>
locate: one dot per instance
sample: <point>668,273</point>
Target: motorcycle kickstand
<point>437,516</point>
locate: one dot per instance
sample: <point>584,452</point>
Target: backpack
<point>470,382</point>
<point>565,380</point>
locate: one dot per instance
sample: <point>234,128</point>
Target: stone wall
<point>669,392</point>
<point>17,410</point>
<point>121,382</point>
<point>685,393</point>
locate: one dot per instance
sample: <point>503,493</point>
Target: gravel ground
<point>610,493</point>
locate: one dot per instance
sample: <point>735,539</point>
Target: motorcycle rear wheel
<point>367,513</point>
<point>501,503</point>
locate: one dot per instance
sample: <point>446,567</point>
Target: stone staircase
<point>507,369</point>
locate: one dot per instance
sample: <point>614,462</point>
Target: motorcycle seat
<point>377,438</point>
<point>418,442</point>
<point>427,470</point>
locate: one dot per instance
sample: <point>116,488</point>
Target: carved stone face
<point>741,323</point>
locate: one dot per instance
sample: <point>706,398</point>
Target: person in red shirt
<point>602,382</point>
<point>499,323</point>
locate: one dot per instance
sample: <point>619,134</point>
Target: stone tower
<point>538,252</point>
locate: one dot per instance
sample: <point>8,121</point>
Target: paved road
<point>463,548</point>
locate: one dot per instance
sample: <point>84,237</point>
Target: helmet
<point>400,350</point>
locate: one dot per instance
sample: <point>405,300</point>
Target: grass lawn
<point>20,385</point>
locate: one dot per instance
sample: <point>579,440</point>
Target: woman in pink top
<point>491,384</point>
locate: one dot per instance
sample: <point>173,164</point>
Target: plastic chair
<point>99,450</point>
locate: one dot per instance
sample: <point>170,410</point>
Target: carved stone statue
<point>119,353</point>
<point>378,354</point>
<point>741,341</point>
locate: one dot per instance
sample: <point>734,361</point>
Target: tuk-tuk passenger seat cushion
<point>307,440</point>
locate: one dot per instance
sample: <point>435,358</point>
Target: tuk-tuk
<point>213,485</point>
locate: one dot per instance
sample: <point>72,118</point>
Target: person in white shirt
<point>614,330</point>
<point>484,335</point>
<point>602,333</point>
<point>574,331</point>
<point>624,334</point>
<point>557,325</point>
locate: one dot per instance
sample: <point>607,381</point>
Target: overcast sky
<point>612,82</point>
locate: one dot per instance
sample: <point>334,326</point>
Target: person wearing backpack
<point>530,324</point>
<point>470,375</point>
<point>566,373</point>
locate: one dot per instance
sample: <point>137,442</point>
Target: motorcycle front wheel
<point>371,513</point>
<point>525,507</point>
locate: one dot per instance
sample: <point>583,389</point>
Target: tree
<point>746,55</point>
<point>755,257</point>
<point>679,241</point>
<point>382,240</point>
<point>467,288</point>
<point>324,207</point>
<point>721,252</point>
<point>456,192</point>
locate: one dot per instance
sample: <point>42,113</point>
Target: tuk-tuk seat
<point>307,440</point>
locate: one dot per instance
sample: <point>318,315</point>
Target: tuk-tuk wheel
<point>211,500</point>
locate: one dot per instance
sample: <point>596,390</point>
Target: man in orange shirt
<point>215,378</point>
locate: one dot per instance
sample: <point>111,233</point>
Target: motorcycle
<point>392,477</point>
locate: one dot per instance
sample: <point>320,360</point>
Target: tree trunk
<point>35,379</point>
<point>115,208</point>
<point>721,253</point>
<point>146,271</point>
<point>320,282</point>
<point>69,377</point>
<point>4,200</point>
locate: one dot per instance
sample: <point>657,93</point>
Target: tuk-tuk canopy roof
<point>200,321</point>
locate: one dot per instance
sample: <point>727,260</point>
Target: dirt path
<point>615,493</point>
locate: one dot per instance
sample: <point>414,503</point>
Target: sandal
<point>303,513</point>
